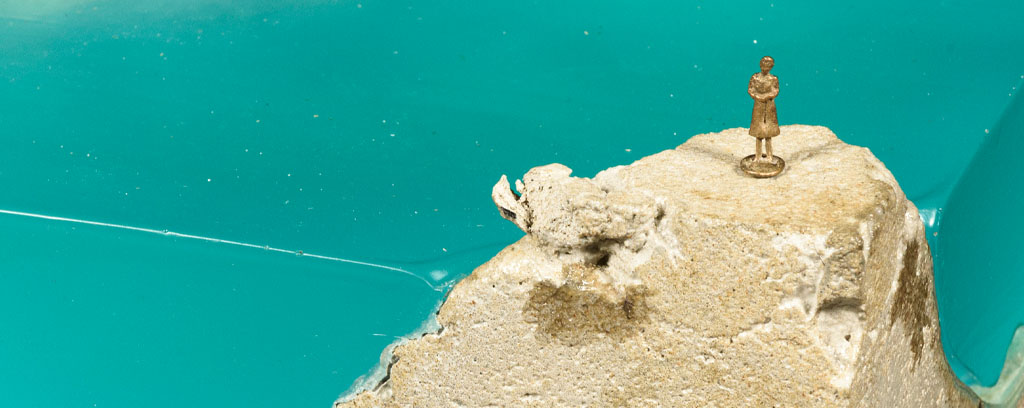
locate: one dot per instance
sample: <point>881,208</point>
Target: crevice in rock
<point>507,213</point>
<point>755,326</point>
<point>659,216</point>
<point>840,303</point>
<point>599,253</point>
<point>387,373</point>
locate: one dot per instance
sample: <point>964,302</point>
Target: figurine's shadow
<point>722,156</point>
<point>794,159</point>
<point>810,152</point>
<point>719,155</point>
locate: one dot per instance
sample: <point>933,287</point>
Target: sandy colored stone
<point>678,281</point>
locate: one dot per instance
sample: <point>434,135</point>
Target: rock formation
<point>678,281</point>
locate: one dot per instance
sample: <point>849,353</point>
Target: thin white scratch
<point>222,241</point>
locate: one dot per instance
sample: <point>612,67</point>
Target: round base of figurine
<point>762,168</point>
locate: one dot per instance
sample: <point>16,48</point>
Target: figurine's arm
<point>751,89</point>
<point>774,89</point>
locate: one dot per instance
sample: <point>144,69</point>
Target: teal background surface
<point>980,259</point>
<point>372,131</point>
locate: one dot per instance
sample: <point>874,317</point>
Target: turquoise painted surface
<point>373,131</point>
<point>980,262</point>
<point>99,316</point>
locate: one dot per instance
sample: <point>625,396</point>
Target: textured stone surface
<point>678,281</point>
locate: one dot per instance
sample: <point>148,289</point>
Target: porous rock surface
<point>678,281</point>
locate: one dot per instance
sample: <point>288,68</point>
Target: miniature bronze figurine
<point>764,125</point>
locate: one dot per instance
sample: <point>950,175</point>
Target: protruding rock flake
<point>679,281</point>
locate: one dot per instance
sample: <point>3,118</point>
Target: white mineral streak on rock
<point>678,281</point>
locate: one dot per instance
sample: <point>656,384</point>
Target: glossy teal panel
<point>373,131</point>
<point>980,256</point>
<point>95,315</point>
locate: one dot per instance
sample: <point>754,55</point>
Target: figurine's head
<point>767,63</point>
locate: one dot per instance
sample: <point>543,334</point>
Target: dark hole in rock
<point>599,253</point>
<point>507,213</point>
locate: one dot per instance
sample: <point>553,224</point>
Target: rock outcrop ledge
<point>678,281</point>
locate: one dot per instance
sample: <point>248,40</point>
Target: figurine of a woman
<point>764,125</point>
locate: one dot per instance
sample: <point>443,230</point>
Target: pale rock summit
<point>678,281</point>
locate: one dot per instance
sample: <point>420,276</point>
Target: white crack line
<point>222,241</point>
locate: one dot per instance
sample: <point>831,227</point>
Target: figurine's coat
<point>764,88</point>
